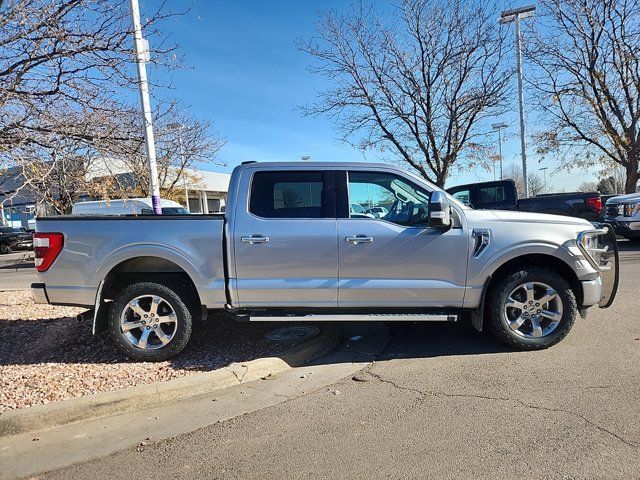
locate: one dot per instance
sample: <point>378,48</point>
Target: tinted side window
<point>289,194</point>
<point>492,194</point>
<point>388,197</point>
<point>464,196</point>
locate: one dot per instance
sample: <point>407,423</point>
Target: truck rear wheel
<point>531,308</point>
<point>150,322</point>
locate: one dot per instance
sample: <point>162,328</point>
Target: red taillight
<point>595,203</point>
<point>46,247</point>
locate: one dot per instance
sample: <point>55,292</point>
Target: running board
<point>375,317</point>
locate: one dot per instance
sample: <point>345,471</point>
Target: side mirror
<point>439,211</point>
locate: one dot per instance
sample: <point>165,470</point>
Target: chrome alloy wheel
<point>533,310</point>
<point>148,322</point>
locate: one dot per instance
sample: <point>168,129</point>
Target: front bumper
<point>626,228</point>
<point>591,292</point>
<point>39,293</point>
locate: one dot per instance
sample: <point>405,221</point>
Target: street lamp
<point>515,16</point>
<point>141,47</point>
<point>544,171</point>
<point>499,127</point>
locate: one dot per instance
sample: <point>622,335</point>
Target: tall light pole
<point>499,127</point>
<point>544,171</point>
<point>141,46</point>
<point>515,16</point>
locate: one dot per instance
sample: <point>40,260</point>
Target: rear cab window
<point>292,194</point>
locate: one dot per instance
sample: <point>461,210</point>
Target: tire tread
<point>493,310</point>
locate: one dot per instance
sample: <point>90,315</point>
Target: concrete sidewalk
<point>29,453</point>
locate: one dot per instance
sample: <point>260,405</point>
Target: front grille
<point>614,210</point>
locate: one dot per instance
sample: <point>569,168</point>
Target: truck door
<point>396,260</point>
<point>285,240</point>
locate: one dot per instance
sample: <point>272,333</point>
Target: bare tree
<point>588,81</point>
<point>419,79</point>
<point>183,142</point>
<point>61,62</point>
<point>68,103</point>
<point>58,177</point>
<point>589,186</point>
<point>535,182</point>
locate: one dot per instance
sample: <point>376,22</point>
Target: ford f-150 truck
<point>291,247</point>
<point>503,195</point>
<point>623,213</point>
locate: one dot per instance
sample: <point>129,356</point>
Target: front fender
<point>567,252</point>
<point>483,268</point>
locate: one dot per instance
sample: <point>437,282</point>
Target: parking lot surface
<point>17,271</point>
<point>443,402</point>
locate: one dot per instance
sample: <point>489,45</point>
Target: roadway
<point>443,402</point>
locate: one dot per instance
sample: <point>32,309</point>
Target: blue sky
<point>245,72</point>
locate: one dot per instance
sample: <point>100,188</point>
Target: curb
<point>99,405</point>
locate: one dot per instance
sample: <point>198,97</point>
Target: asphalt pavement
<point>442,402</point>
<point>17,271</point>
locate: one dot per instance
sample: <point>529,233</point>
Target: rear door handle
<point>359,239</point>
<point>255,239</point>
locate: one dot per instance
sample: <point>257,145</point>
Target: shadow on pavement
<point>425,340</point>
<point>214,344</point>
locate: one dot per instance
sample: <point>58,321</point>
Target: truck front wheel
<point>150,322</point>
<point>531,308</point>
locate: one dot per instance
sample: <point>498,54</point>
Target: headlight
<point>589,244</point>
<point>587,241</point>
<point>631,209</point>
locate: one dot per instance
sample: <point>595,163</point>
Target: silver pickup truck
<point>294,245</point>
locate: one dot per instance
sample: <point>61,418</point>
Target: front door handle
<point>253,239</point>
<point>359,239</point>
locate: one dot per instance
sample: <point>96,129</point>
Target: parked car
<point>623,212</point>
<point>289,249</point>
<point>378,212</point>
<point>132,206</point>
<point>502,195</point>
<point>604,199</point>
<point>12,238</point>
<point>358,210</point>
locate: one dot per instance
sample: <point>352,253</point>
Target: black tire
<point>177,302</point>
<point>4,249</point>
<point>505,285</point>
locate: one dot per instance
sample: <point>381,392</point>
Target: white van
<point>130,206</point>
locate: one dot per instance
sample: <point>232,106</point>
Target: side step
<point>375,317</point>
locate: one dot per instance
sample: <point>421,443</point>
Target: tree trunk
<point>631,182</point>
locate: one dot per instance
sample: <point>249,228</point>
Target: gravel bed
<point>46,355</point>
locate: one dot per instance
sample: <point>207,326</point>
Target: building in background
<point>17,206</point>
<point>208,194</point>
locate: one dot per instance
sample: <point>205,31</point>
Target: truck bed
<point>96,245</point>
